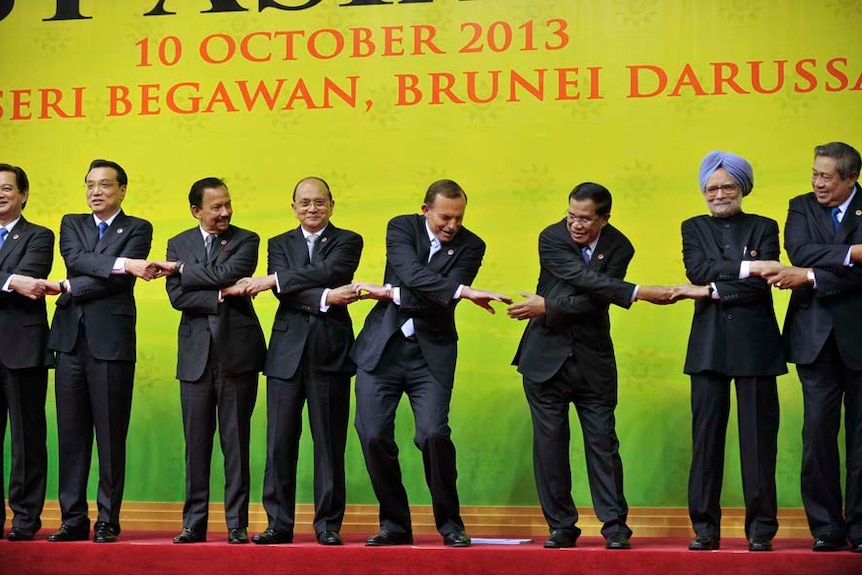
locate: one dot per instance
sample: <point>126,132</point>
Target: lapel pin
<point>859,212</point>
<point>451,252</point>
<point>120,230</point>
<point>323,240</point>
<point>224,242</point>
<point>15,237</point>
<point>601,256</point>
<point>753,253</point>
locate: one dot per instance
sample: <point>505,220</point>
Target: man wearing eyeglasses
<point>566,356</point>
<point>310,269</point>
<point>822,334</point>
<point>93,333</point>
<point>734,336</point>
<point>26,254</point>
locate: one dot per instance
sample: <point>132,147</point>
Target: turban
<point>737,166</point>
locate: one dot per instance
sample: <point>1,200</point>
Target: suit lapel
<point>221,246</point>
<point>112,234</point>
<point>323,241</point>
<point>15,239</point>
<point>298,246</point>
<point>851,220</point>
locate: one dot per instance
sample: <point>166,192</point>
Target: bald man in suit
<point>310,270</point>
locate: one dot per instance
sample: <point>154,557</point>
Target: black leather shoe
<point>67,533</point>
<point>188,536</point>
<point>16,534</point>
<point>456,539</point>
<point>273,537</point>
<point>329,538</point>
<point>618,540</point>
<point>386,538</point>
<point>823,544</point>
<point>705,543</point>
<point>237,535</point>
<point>560,539</point>
<point>104,533</point>
<point>759,544</point>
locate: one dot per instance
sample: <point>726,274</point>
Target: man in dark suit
<point>566,356</point>
<point>310,269</point>
<point>734,335</point>
<point>822,334</point>
<point>220,351</point>
<point>408,346</point>
<point>93,333</point>
<point>26,254</point>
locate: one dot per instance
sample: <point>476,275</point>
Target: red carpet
<point>151,553</point>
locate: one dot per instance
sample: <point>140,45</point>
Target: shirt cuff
<point>458,292</point>
<point>715,294</point>
<point>8,283</point>
<point>744,269</point>
<point>323,307</point>
<point>635,293</point>
<point>847,261</point>
<point>278,285</point>
<point>396,295</point>
<point>119,266</point>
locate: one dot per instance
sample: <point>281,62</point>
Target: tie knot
<point>103,227</point>
<point>3,233</point>
<point>586,252</point>
<point>312,239</point>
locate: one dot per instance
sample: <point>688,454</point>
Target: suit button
<point>729,316</point>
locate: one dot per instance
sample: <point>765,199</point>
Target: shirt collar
<point>11,224</point>
<point>307,234</point>
<point>109,221</point>
<point>431,237</point>
<point>843,207</point>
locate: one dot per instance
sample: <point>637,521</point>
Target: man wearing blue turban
<point>734,336</point>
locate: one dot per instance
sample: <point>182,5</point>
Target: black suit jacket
<point>577,296</point>
<point>426,295</point>
<point>836,304</point>
<point>298,320</point>
<point>27,251</point>
<point>103,302</point>
<point>232,325</point>
<point>736,335</point>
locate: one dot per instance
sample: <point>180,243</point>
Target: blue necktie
<point>835,221</point>
<point>3,233</point>
<point>586,253</point>
<point>103,227</point>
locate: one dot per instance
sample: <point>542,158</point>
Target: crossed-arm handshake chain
<point>774,272</point>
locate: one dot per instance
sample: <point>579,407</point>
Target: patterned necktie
<point>3,233</point>
<point>103,227</point>
<point>208,244</point>
<point>586,253</point>
<point>835,221</point>
<point>435,247</point>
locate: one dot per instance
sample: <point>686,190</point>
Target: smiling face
<point>722,194</point>
<point>829,187</point>
<point>583,222</point>
<point>12,199</point>
<point>215,210</point>
<point>312,205</point>
<point>104,193</point>
<point>445,216</point>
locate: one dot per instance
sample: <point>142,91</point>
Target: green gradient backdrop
<point>517,160</point>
